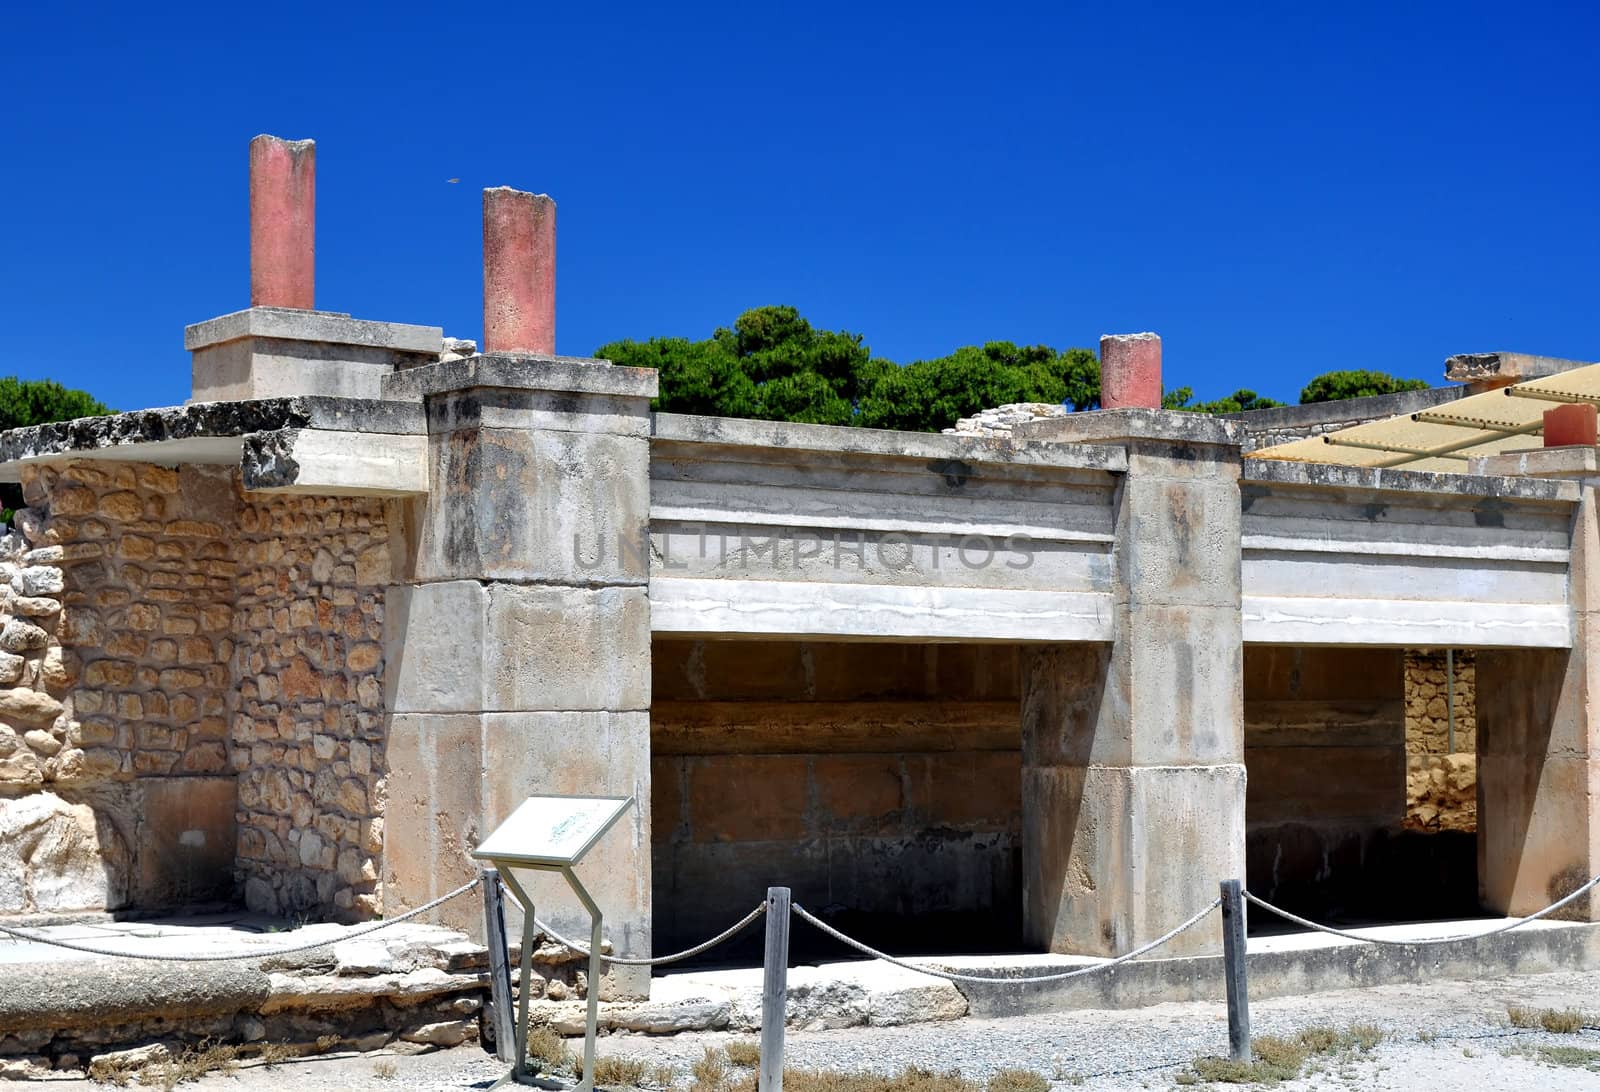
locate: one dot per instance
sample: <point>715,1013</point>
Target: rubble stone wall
<point>1441,778</point>
<point>114,651</point>
<point>190,694</point>
<point>308,737</point>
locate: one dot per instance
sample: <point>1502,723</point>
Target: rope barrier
<point>626,961</point>
<point>951,976</point>
<point>1423,941</point>
<point>26,934</point>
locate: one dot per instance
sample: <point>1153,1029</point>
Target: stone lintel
<point>1582,461</point>
<point>947,451</point>
<point>1375,479</point>
<point>329,327</point>
<point>1503,369</point>
<point>522,371</point>
<point>207,433</point>
<point>1119,426</point>
<point>335,463</point>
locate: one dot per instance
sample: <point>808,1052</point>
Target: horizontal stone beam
<point>330,462</point>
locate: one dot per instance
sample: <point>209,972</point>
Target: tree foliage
<point>1237,402</point>
<point>774,365</point>
<point>1356,383</point>
<point>26,402</point>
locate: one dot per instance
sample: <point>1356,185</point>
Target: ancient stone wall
<point>116,640</point>
<point>307,735</point>
<point>879,781</point>
<point>1441,766</point>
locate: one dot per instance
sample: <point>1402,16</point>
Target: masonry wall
<point>1441,763</point>
<point>308,736</point>
<point>114,786</point>
<point>881,782</point>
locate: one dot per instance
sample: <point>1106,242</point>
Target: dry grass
<point>194,1063</point>
<point>1018,1080</point>
<point>910,1079</point>
<point>1557,1021</point>
<point>1570,1057</point>
<point>619,1072</point>
<point>385,1070</point>
<point>546,1045</point>
<point>1281,1059</point>
<point>710,1072</point>
<point>744,1052</point>
<point>272,1054</point>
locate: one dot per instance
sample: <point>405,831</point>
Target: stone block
<point>433,818</point>
<point>463,646</point>
<point>566,507</point>
<point>561,648</point>
<point>1178,543</point>
<point>272,352</point>
<point>59,856</point>
<point>1538,833</point>
<point>603,754</point>
<point>1115,856</point>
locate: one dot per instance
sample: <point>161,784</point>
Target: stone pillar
<point>519,654</point>
<point>519,272</point>
<point>1130,371</point>
<point>1133,752</point>
<point>283,208</point>
<point>1538,743</point>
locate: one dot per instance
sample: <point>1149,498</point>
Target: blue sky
<point>1278,191</point>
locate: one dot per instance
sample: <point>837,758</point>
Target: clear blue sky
<point>1277,191</point>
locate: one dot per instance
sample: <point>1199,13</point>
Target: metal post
<point>774,990</point>
<point>504,1024</point>
<point>592,1024</point>
<point>1233,964</point>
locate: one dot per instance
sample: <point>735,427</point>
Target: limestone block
<point>1115,856</point>
<point>1178,543</point>
<point>434,813</point>
<point>592,753</point>
<point>567,507</point>
<point>20,636</point>
<point>28,707</point>
<point>58,856</point>
<point>463,646</point>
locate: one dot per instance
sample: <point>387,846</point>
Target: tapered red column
<point>283,216</point>
<point>519,272</point>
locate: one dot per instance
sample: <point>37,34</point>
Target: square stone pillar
<point>519,654</point>
<point>1539,730</point>
<point>1133,752</point>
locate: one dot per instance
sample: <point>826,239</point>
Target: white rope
<point>623,961</point>
<point>1421,941</point>
<point>990,980</point>
<point>27,934</point>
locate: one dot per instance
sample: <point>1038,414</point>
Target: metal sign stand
<point>551,834</point>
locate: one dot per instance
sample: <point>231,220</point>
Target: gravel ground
<point>1447,1035</point>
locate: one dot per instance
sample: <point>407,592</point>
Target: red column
<point>283,206</point>
<point>1130,371</point>
<point>519,272</point>
<point>1570,425</point>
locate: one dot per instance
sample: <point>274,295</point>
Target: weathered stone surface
<point>57,856</point>
<point>39,580</point>
<point>445,1033</point>
<point>20,636</point>
<point>28,707</point>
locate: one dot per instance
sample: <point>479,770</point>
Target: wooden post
<point>1233,964</point>
<point>774,989</point>
<point>504,1023</point>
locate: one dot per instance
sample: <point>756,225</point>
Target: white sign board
<point>552,831</point>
